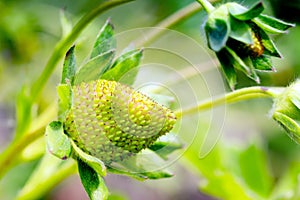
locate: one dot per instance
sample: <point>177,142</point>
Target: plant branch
<point>62,47</point>
<point>235,96</point>
<point>168,22</point>
<point>9,156</point>
<point>37,187</point>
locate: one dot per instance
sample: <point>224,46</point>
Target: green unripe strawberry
<point>111,121</point>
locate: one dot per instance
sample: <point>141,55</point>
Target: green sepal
<point>217,32</point>
<point>237,62</point>
<point>271,24</point>
<point>93,183</point>
<point>290,125</point>
<point>64,100</point>
<point>228,69</point>
<point>268,44</point>
<point>242,13</point>
<point>296,101</point>
<point>217,28</point>
<point>92,161</point>
<point>137,176</point>
<point>57,141</point>
<point>125,68</point>
<point>141,176</point>
<point>263,63</point>
<point>240,31</point>
<point>295,95</point>
<point>157,174</point>
<point>165,145</point>
<point>275,23</point>
<point>94,68</point>
<point>253,75</point>
<point>105,40</point>
<point>143,166</point>
<point>69,67</point>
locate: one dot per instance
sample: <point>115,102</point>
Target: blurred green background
<point>253,159</point>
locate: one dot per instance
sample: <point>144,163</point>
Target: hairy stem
<point>235,96</point>
<point>208,7</point>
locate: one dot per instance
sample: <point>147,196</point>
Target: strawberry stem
<point>208,7</point>
<point>235,96</point>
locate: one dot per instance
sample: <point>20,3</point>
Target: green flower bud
<point>286,110</point>
<point>239,37</point>
<point>111,121</point>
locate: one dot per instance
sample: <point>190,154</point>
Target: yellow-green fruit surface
<point>111,121</point>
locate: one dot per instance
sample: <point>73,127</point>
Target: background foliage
<point>254,158</point>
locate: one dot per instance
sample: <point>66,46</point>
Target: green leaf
<point>217,33</point>
<point>57,142</point>
<point>94,68</point>
<point>291,126</point>
<point>125,68</point>
<point>271,24</point>
<point>263,63</point>
<point>240,31</point>
<point>242,13</point>
<point>216,174</point>
<point>69,67</point>
<point>287,186</point>
<point>166,145</point>
<point>105,40</point>
<point>93,183</point>
<point>254,170</point>
<point>268,44</point>
<point>227,67</point>
<point>92,161</point>
<point>64,100</point>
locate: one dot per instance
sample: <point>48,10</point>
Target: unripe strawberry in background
<point>111,121</point>
<point>286,110</point>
